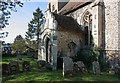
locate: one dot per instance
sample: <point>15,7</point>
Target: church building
<point>74,24</point>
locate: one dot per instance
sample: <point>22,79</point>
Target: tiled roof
<point>73,4</point>
<point>67,23</point>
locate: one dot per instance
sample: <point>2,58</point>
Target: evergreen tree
<point>34,27</point>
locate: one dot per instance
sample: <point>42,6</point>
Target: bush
<point>87,56</point>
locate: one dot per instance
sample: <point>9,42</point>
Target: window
<point>95,16</point>
<point>86,35</point>
<point>71,46</point>
<point>50,6</point>
<point>53,8</point>
<point>87,23</point>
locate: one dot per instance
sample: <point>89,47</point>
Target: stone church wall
<point>65,37</point>
<point>112,27</point>
<point>111,22</point>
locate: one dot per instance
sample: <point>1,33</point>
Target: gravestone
<point>114,65</point>
<point>5,69</point>
<point>19,56</point>
<point>67,66</point>
<point>48,66</point>
<point>44,66</point>
<point>26,66</point>
<point>41,63</point>
<point>80,67</point>
<point>96,67</point>
<point>117,69</point>
<point>14,67</point>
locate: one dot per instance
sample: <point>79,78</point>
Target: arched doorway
<point>48,51</point>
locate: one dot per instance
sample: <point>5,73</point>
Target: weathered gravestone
<point>26,66</point>
<point>41,63</point>
<point>67,66</point>
<point>79,68</point>
<point>96,67</point>
<point>114,66</point>
<point>19,56</point>
<point>117,69</point>
<point>44,66</point>
<point>5,69</point>
<point>14,67</point>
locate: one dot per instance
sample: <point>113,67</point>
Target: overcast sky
<point>18,23</point>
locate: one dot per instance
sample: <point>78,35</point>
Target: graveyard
<point>62,41</point>
<point>35,75</point>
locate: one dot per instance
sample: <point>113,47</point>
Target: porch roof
<point>67,23</point>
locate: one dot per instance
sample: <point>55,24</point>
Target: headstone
<point>5,69</point>
<point>80,67</point>
<point>67,66</point>
<point>117,69</point>
<point>44,66</point>
<point>96,67</point>
<point>26,66</point>
<point>41,63</point>
<point>114,66</point>
<point>19,56</point>
<point>48,66</point>
<point>14,67</point>
<point>111,71</point>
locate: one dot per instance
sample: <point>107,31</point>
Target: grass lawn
<point>34,75</point>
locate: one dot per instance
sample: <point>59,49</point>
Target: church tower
<point>56,5</point>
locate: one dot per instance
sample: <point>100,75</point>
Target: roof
<point>67,23</point>
<point>72,5</point>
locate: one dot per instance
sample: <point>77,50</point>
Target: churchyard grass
<point>35,75</point>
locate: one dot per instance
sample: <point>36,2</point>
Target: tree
<point>19,44</point>
<point>5,7</point>
<point>34,27</point>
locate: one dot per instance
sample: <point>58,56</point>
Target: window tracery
<point>87,24</point>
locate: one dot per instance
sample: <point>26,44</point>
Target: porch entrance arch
<point>48,50</point>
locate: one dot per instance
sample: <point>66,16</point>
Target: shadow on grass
<point>57,76</point>
<point>34,76</point>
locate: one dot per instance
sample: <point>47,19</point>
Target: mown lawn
<point>57,76</point>
<point>34,75</point>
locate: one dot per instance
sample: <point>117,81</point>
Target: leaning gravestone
<point>26,66</point>
<point>14,67</point>
<point>81,67</point>
<point>96,67</point>
<point>67,66</point>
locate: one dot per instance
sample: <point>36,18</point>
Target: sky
<point>18,23</point>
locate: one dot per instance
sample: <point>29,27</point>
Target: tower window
<point>53,7</point>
